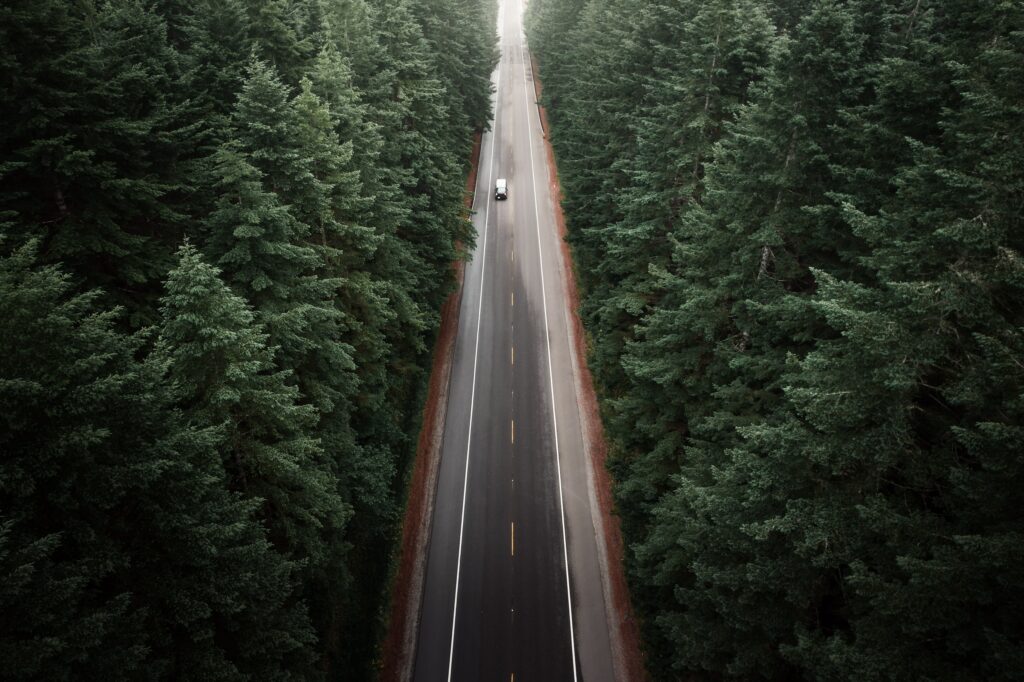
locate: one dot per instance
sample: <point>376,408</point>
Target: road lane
<point>497,599</point>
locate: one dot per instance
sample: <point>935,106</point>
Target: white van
<point>501,189</point>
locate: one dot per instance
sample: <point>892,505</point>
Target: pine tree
<point>426,155</point>
<point>265,252</point>
<point>930,427</point>
<point>706,57</point>
<point>607,76</point>
<point>93,142</point>
<point>284,276</point>
<point>314,152</point>
<point>548,22</point>
<point>280,36</point>
<point>462,47</point>
<point>150,567</point>
<point>224,374</point>
<point>362,298</point>
<point>262,124</point>
<point>384,208</point>
<point>253,238</point>
<point>330,199</point>
<point>215,49</point>
<point>736,315</point>
<point>814,421</point>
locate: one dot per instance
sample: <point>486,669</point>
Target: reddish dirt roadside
<point>626,643</point>
<point>400,642</point>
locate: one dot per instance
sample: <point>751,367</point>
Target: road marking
<point>513,430</point>
<point>513,299</point>
<point>476,359</point>
<point>513,355</point>
<point>547,336</point>
<point>513,538</point>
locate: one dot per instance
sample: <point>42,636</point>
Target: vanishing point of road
<point>513,585</point>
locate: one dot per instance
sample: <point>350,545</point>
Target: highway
<point>513,587</point>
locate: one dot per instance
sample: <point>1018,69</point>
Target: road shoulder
<point>399,647</point>
<point>623,627</point>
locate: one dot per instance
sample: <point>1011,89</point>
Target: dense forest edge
<point>227,228</point>
<point>797,227</point>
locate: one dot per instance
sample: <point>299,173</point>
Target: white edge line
<point>476,357</point>
<point>547,343</point>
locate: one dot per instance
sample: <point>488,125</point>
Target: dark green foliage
<point>464,59</point>
<point>433,221</point>
<point>216,497</point>
<point>800,246</point>
<point>223,374</point>
<point>91,139</point>
<point>280,33</point>
<point>125,554</point>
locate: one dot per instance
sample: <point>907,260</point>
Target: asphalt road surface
<point>513,586</point>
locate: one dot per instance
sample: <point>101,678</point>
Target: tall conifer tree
<point>317,162</point>
<point>130,557</point>
<point>223,372</point>
<point>813,418</point>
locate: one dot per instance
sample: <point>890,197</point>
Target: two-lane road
<point>513,586</point>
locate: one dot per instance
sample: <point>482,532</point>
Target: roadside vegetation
<point>799,225</point>
<point>226,232</point>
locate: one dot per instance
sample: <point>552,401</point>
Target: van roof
<point>501,182</point>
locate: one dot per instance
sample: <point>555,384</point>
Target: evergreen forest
<point>227,228</point>
<point>798,227</point>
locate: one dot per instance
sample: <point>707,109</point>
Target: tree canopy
<point>798,228</point>
<point>226,232</point>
